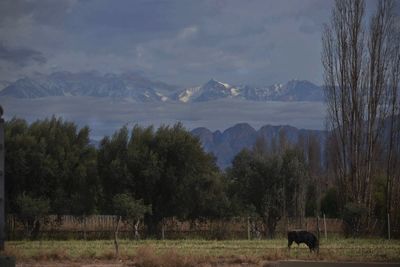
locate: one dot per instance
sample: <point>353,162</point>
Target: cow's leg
<point>312,247</point>
<point>290,242</point>
<point>309,245</point>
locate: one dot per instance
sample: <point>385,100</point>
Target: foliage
<point>272,184</point>
<point>30,211</point>
<point>164,173</point>
<point>51,159</point>
<point>296,179</point>
<point>353,216</point>
<point>166,168</point>
<point>129,208</point>
<point>311,201</point>
<point>330,203</point>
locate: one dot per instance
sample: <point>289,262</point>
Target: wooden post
<point>163,230</point>
<point>84,228</point>
<point>326,234</point>
<point>248,228</point>
<point>116,238</point>
<point>318,236</point>
<point>388,219</point>
<point>137,235</point>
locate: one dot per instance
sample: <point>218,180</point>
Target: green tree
<point>130,210</point>
<point>166,168</point>
<point>311,201</point>
<point>271,184</point>
<point>52,159</point>
<point>257,183</point>
<point>31,212</point>
<point>296,179</point>
<point>112,167</point>
<point>354,215</point>
<point>330,203</point>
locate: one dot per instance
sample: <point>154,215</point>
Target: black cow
<point>303,237</point>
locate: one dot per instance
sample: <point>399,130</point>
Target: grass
<point>193,252</point>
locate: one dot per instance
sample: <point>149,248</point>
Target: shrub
<point>354,215</point>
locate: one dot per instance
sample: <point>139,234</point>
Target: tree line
<point>146,173</point>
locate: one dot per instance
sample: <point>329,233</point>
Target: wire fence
<point>103,226</point>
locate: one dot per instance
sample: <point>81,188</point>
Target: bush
<point>30,212</point>
<point>354,215</point>
<point>329,204</point>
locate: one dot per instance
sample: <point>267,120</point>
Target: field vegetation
<point>192,252</point>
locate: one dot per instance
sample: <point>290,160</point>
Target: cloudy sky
<point>184,42</point>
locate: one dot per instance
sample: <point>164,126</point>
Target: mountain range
<point>89,84</point>
<point>294,90</point>
<point>142,89</point>
<point>225,145</point>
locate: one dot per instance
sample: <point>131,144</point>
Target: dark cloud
<point>180,41</point>
<point>47,12</point>
<point>21,57</point>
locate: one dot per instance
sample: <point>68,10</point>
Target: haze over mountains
<point>142,89</point>
<point>226,144</point>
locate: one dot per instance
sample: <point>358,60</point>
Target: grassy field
<point>195,252</point>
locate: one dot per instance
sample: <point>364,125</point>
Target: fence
<point>102,227</point>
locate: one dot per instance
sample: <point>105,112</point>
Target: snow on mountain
<point>294,90</point>
<point>141,89</point>
<point>126,85</point>
<point>209,91</point>
<point>187,94</point>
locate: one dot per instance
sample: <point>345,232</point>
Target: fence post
<point>326,234</point>
<point>248,228</point>
<point>163,229</point>
<point>388,219</point>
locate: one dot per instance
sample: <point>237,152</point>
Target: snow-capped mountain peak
<point>227,86</point>
<point>187,94</point>
<point>94,84</point>
<point>211,90</point>
<point>294,90</point>
<point>141,89</point>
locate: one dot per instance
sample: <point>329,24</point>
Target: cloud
<point>21,57</point>
<point>180,41</point>
<point>188,32</point>
<point>42,12</point>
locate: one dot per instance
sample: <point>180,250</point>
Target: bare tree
<point>343,60</point>
<point>360,64</point>
<point>393,121</point>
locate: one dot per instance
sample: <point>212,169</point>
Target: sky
<point>181,42</point>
